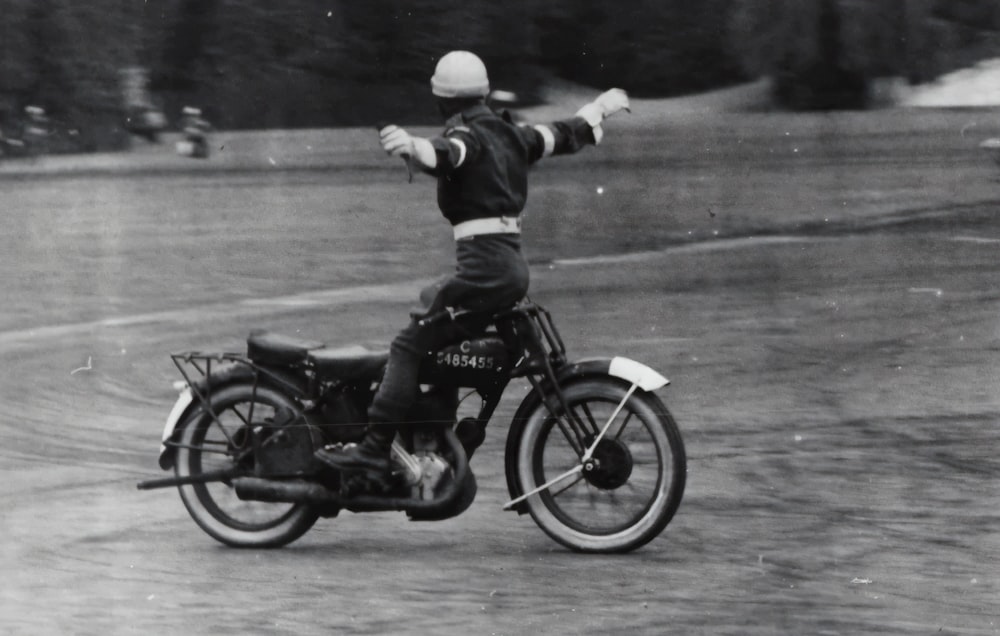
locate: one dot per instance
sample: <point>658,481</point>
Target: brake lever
<point>406,157</point>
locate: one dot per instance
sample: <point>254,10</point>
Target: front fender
<point>636,373</point>
<point>625,369</point>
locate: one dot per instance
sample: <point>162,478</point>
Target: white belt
<point>493,225</point>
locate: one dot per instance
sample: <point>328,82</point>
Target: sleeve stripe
<point>460,145</point>
<point>548,137</point>
<point>598,134</point>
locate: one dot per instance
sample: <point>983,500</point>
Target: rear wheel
<point>223,444</point>
<point>627,492</point>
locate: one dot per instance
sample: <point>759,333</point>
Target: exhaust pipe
<point>301,491</point>
<point>272,490</point>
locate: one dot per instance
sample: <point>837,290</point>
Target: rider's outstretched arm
<point>458,144</point>
<point>417,151</point>
<point>570,135</point>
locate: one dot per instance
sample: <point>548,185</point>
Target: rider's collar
<point>467,115</point>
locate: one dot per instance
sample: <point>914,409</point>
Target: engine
<point>434,474</point>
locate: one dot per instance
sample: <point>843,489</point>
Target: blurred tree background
<point>306,63</point>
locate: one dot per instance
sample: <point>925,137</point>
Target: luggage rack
<point>191,362</point>
<point>196,369</point>
<point>191,359</point>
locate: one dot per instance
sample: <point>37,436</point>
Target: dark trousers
<point>491,274</point>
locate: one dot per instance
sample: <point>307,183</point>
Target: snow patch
<point>977,86</point>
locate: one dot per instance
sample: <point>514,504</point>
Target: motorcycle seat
<point>272,348</point>
<point>349,363</point>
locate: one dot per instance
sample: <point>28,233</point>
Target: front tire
<point>223,443</point>
<point>632,490</point>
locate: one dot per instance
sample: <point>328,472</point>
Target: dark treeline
<point>297,63</point>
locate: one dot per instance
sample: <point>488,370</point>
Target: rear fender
<point>188,401</point>
<point>626,370</point>
<point>182,408</point>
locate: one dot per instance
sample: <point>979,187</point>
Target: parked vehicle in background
<point>36,133</point>
<point>992,147</point>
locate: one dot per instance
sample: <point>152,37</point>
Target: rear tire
<point>632,492</point>
<point>208,445</point>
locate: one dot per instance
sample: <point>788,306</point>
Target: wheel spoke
<point>621,429</point>
<point>544,487</point>
<point>217,420</point>
<point>594,426</point>
<point>556,493</point>
<point>592,498</point>
<point>572,439</point>
<point>245,419</point>
<point>219,498</point>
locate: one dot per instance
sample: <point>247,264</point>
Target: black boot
<point>372,453</point>
<point>471,433</point>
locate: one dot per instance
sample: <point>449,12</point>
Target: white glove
<point>396,141</point>
<point>613,101</point>
<point>399,143</point>
<point>607,104</point>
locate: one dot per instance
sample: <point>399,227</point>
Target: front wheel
<point>632,484</point>
<point>222,444</point>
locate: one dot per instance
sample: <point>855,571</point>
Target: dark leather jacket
<point>483,159</point>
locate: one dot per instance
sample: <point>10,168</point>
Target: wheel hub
<point>610,466</point>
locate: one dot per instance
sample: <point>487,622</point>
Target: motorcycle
<point>992,147</point>
<point>592,454</point>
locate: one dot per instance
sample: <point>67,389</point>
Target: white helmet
<point>460,74</point>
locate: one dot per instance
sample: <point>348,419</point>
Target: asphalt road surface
<point>821,290</point>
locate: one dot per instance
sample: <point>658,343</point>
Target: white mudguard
<point>636,373</point>
<point>184,400</point>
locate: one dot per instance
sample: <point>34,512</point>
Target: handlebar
<point>445,314</point>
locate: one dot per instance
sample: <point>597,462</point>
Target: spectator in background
<point>195,130</point>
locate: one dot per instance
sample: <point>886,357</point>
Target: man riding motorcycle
<point>481,162</point>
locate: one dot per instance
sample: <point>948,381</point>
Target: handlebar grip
<point>444,314</point>
<point>434,318</point>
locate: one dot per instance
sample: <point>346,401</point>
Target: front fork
<point>570,428</point>
<point>585,438</point>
